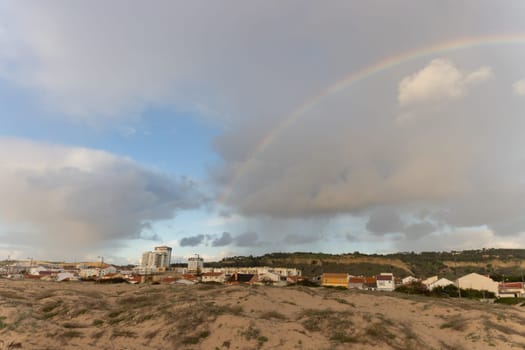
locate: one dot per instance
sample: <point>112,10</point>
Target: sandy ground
<point>74,315</point>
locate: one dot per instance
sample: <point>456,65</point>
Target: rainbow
<point>360,75</point>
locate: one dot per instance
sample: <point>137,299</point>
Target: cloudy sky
<point>231,127</point>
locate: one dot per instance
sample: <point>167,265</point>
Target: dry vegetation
<point>41,315</point>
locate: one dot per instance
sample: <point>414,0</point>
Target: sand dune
<point>46,315</point>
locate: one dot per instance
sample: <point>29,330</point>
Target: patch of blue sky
<point>170,141</point>
<point>175,142</point>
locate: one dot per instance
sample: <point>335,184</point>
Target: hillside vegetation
<point>495,262</point>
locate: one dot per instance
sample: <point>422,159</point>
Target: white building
<point>385,282</point>
<point>195,265</point>
<point>66,276</point>
<point>511,289</point>
<point>477,282</point>
<point>442,282</point>
<point>217,277</point>
<point>270,277</point>
<point>429,280</point>
<point>92,272</point>
<point>409,280</point>
<point>159,259</point>
<point>258,270</point>
<point>165,252</point>
<point>35,270</point>
<point>144,270</point>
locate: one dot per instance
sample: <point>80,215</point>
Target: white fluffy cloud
<point>518,88</point>
<point>65,200</point>
<point>439,80</point>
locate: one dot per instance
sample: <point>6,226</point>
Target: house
<point>429,280</point>
<point>478,282</point>
<point>385,282</point>
<point>442,282</point>
<point>370,283</point>
<point>108,269</point>
<point>270,278</point>
<point>409,280</point>
<point>356,282</point>
<point>293,279</point>
<point>36,270</point>
<point>217,277</point>
<point>97,271</point>
<point>89,273</point>
<point>237,278</point>
<point>134,279</point>
<point>47,275</point>
<point>511,289</point>
<point>334,280</point>
<point>66,276</point>
<point>32,277</point>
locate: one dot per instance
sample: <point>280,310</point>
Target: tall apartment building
<point>195,265</point>
<point>159,259</point>
<point>166,252</point>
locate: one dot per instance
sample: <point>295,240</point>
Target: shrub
<point>509,301</point>
<point>51,306</point>
<point>123,333</point>
<point>261,340</point>
<point>251,333</point>
<point>457,323</point>
<point>71,325</point>
<point>272,314</point>
<point>343,338</point>
<point>98,322</point>
<point>412,288</point>
<point>72,334</point>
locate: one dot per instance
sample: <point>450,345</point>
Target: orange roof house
<point>334,280</point>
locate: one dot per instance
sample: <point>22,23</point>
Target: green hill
<point>499,263</point>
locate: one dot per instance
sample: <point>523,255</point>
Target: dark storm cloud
<point>419,229</point>
<point>384,221</point>
<point>192,241</point>
<point>247,239</point>
<point>223,240</point>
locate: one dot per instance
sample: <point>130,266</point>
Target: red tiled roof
<point>362,279</point>
<point>356,280</point>
<point>188,276</point>
<point>46,273</point>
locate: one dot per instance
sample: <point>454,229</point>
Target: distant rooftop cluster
<point>156,267</point>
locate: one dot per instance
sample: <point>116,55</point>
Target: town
<point>156,268</point>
